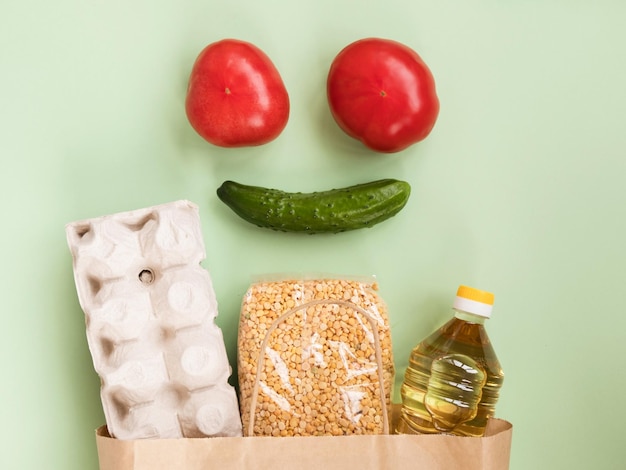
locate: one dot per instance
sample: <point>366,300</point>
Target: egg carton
<point>150,315</point>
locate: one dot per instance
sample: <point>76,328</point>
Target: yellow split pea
<point>314,358</point>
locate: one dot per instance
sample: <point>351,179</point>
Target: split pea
<point>314,358</point>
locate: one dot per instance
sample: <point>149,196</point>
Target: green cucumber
<point>337,210</point>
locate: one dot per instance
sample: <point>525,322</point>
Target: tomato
<point>382,93</point>
<point>236,96</point>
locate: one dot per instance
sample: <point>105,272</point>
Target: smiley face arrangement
<point>379,92</point>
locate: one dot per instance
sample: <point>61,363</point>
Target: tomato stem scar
<point>227,91</point>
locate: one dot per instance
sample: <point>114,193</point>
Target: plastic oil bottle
<point>453,379</point>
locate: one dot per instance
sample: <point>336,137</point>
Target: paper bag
<point>375,452</point>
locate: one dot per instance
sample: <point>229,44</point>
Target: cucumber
<point>337,210</point>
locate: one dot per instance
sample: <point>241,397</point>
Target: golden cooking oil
<point>453,379</point>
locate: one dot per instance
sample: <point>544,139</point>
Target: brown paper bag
<point>375,452</point>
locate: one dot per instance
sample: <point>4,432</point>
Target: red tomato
<point>382,93</point>
<point>236,97</point>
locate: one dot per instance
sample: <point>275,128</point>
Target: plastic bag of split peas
<point>314,358</point>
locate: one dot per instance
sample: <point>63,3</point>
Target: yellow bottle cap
<point>476,301</point>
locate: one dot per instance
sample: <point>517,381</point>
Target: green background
<point>518,190</point>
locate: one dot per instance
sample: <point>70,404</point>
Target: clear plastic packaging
<point>453,380</point>
<point>314,358</point>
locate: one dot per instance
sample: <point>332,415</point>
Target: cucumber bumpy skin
<point>337,210</point>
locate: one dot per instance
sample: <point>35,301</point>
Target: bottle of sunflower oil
<point>453,380</point>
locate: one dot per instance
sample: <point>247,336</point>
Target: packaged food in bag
<point>314,358</point>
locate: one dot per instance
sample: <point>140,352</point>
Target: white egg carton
<point>150,315</point>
